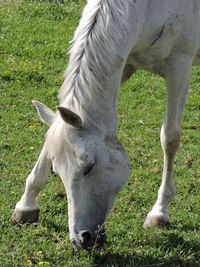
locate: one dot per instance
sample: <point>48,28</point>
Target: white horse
<point>113,40</point>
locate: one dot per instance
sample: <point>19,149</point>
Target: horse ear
<point>70,117</point>
<point>46,114</point>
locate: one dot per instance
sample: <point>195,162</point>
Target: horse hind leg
<point>27,209</point>
<point>158,216</point>
<point>177,73</point>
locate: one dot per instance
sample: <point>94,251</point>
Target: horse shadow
<point>172,244</point>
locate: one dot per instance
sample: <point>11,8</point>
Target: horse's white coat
<point>115,38</point>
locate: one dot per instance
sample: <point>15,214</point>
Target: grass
<point>34,37</point>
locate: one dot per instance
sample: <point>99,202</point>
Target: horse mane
<point>94,55</point>
<point>78,46</point>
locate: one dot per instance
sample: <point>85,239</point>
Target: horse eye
<point>88,169</point>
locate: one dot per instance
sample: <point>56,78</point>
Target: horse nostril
<point>85,237</point>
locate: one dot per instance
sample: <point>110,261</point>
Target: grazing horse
<point>114,39</point>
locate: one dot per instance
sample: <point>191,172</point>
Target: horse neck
<point>96,62</point>
<point>97,107</point>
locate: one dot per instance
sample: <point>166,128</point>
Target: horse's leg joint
<point>170,140</point>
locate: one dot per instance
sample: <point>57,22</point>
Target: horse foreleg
<point>27,209</point>
<point>177,73</point>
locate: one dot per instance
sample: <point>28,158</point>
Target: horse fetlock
<point>156,219</point>
<point>28,216</point>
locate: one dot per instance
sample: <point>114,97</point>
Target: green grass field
<point>34,40</point>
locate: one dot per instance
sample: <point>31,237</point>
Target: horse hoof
<point>22,217</point>
<point>156,221</point>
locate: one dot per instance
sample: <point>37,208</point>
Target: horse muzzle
<point>87,239</point>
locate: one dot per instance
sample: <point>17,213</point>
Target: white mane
<point>94,55</point>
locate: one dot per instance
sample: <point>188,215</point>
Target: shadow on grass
<point>186,227</point>
<point>116,259</point>
<point>174,251</point>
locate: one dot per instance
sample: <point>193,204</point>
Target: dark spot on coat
<point>113,160</point>
<point>112,142</point>
<point>159,35</point>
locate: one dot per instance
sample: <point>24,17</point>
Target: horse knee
<point>170,140</point>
